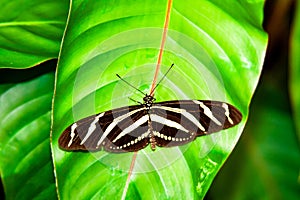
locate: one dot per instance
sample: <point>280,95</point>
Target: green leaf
<point>295,69</point>
<point>25,160</point>
<point>31,31</point>
<point>217,48</point>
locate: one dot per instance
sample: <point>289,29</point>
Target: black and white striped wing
<point>179,122</point>
<point>117,130</point>
<point>165,124</point>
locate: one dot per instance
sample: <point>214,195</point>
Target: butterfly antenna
<point>130,84</point>
<point>151,93</point>
<point>135,101</point>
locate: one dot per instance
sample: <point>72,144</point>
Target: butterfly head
<point>148,100</point>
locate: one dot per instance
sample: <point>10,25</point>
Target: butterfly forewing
<point>101,131</point>
<point>170,123</point>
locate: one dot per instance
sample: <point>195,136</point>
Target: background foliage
<point>276,152</point>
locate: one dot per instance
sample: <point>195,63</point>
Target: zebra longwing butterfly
<point>163,124</point>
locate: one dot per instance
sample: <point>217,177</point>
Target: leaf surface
<point>217,48</point>
<point>25,161</point>
<point>30,31</point>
